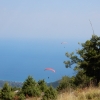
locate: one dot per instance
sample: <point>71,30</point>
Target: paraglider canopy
<point>51,69</point>
<point>63,42</point>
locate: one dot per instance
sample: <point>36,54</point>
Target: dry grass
<point>91,93</point>
<point>35,98</point>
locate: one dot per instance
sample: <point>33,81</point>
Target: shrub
<point>42,85</point>
<point>65,83</point>
<point>50,94</point>
<point>21,97</point>
<point>30,87</point>
<point>81,80</point>
<point>6,93</point>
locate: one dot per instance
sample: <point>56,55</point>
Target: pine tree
<point>6,93</point>
<point>30,87</point>
<point>87,58</point>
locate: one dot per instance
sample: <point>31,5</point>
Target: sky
<point>25,19</point>
<point>40,25</point>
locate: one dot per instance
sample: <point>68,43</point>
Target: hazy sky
<point>49,19</point>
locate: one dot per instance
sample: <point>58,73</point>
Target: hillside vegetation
<point>90,93</point>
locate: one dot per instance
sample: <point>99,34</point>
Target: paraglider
<point>51,69</point>
<point>63,42</point>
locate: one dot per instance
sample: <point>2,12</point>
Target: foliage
<point>50,94</point>
<point>30,87</point>
<point>81,80</point>
<point>6,93</point>
<point>42,85</point>
<point>15,88</point>
<point>65,83</point>
<point>87,58</point>
<point>21,97</point>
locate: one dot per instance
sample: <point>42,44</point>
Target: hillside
<point>54,84</point>
<point>19,84</point>
<point>13,84</point>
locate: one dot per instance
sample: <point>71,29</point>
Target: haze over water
<point>18,59</point>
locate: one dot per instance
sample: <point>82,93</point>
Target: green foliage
<point>81,80</point>
<point>21,97</point>
<point>87,58</point>
<point>50,94</point>
<point>15,88</point>
<point>6,93</point>
<point>30,87</point>
<point>42,85</point>
<point>65,83</point>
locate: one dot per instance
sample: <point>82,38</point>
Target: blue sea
<point>21,58</point>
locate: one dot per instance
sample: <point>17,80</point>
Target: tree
<point>30,87</point>
<point>81,80</point>
<point>6,93</point>
<point>42,85</point>
<point>65,83</point>
<point>50,94</point>
<point>87,58</point>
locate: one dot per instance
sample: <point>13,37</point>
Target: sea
<point>20,58</point>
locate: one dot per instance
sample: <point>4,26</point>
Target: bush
<point>65,83</point>
<point>50,94</point>
<point>42,85</point>
<point>81,80</point>
<point>6,93</point>
<point>30,88</point>
<point>21,97</point>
